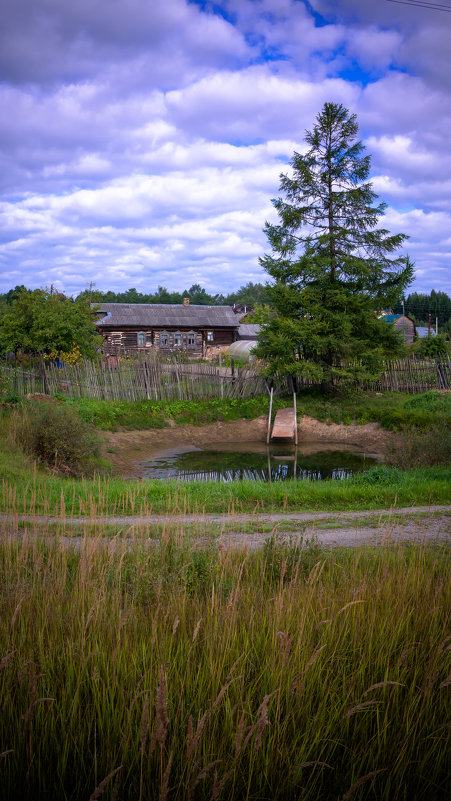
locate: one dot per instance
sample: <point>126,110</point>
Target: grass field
<point>173,673</point>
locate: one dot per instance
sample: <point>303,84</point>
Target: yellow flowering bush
<point>71,356</point>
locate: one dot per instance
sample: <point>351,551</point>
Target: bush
<point>421,448</point>
<point>432,346</point>
<point>55,435</point>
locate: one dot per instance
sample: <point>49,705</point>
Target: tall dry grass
<point>135,670</point>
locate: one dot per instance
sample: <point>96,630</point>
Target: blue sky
<point>142,140</point>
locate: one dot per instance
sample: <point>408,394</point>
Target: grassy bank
<point>393,410</point>
<point>142,415</point>
<point>167,673</point>
<point>38,493</point>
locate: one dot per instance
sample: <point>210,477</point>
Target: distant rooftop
<point>423,331</point>
<point>248,330</point>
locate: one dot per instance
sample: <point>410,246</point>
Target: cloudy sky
<point>141,141</point>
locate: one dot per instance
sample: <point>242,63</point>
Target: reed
<point>132,669</point>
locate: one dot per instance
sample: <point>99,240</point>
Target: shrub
<point>432,346</point>
<point>421,448</point>
<point>55,435</point>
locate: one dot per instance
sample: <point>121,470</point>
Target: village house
<point>403,324</point>
<point>196,331</point>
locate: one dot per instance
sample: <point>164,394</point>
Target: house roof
<point>391,318</point>
<point>424,331</point>
<point>146,315</point>
<point>248,331</point>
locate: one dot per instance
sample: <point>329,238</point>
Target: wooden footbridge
<point>285,423</point>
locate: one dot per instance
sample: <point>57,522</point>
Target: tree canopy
<point>39,321</point>
<point>331,267</point>
<point>249,295</point>
<point>419,306</point>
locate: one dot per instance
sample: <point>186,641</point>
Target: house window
<point>177,339</point>
<point>141,339</point>
<point>164,339</point>
<point>210,336</point>
<point>191,339</point>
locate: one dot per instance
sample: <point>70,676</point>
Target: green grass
<point>111,415</point>
<point>393,410</point>
<point>168,673</point>
<point>41,493</point>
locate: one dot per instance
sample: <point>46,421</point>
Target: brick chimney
<point>186,301</point>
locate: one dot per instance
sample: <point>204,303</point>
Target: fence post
<point>269,416</point>
<point>295,422</point>
<point>44,377</point>
<point>439,373</point>
<point>146,379</point>
<point>177,377</point>
<point>221,380</point>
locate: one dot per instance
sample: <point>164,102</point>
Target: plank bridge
<point>285,423</point>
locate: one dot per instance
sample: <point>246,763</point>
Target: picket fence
<point>153,379</point>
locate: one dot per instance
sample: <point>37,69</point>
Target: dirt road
<point>330,529</point>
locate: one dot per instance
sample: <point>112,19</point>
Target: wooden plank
<point>284,424</point>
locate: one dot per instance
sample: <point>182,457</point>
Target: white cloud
<point>141,143</point>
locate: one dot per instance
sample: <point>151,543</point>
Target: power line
<point>418,4</point>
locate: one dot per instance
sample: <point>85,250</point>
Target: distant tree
<point>13,294</point>
<point>40,321</point>
<point>419,306</point>
<point>260,315</point>
<point>162,295</point>
<point>91,296</point>
<point>250,295</point>
<point>331,267</point>
<point>198,296</point>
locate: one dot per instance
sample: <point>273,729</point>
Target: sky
<point>141,141</point>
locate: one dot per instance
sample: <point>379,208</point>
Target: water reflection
<point>273,463</point>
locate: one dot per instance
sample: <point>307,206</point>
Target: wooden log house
<point>403,324</point>
<point>196,331</point>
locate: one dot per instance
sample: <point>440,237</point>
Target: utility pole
<point>429,324</point>
<point>91,286</point>
<point>403,307</point>
<point>436,325</point>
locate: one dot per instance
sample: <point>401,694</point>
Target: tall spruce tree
<point>333,269</point>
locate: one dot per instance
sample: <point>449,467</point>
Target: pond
<point>257,461</point>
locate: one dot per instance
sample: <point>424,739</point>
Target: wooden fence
<point>414,374</point>
<point>152,379</point>
<point>137,379</point>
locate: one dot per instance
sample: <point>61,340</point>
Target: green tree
<point>198,296</point>
<point>262,314</point>
<point>332,267</point>
<point>250,295</point>
<point>40,321</point>
<point>432,346</point>
<point>419,306</point>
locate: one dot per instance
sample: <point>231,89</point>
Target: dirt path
<point>330,529</point>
